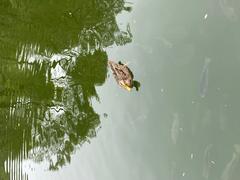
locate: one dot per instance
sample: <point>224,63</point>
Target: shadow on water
<point>52,57</point>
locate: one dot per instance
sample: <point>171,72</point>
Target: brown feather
<point>121,73</point>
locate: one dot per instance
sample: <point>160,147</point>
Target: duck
<point>123,75</point>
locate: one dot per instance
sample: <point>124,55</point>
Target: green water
<point>62,115</point>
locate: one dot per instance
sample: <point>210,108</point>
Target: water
<point>62,114</point>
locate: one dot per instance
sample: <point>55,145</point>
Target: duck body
<point>122,74</point>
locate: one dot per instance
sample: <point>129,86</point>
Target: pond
<point>62,114</point>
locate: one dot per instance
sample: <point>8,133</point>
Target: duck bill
<point>123,85</point>
<point>127,88</point>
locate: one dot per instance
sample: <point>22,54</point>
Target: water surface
<point>63,115</point>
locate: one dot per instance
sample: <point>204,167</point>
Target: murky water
<point>63,116</point>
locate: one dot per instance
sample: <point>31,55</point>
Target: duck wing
<point>120,71</point>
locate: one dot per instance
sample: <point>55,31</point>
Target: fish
<point>175,128</point>
<point>231,171</point>
<point>206,161</point>
<point>204,78</point>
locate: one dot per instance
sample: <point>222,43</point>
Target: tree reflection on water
<point>52,57</point>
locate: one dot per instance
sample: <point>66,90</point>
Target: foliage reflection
<point>52,57</point>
